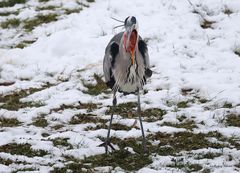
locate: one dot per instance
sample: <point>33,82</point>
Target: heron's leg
<point>110,124</point>
<point>107,142</point>
<point>140,119</point>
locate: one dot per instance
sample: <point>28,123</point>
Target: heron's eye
<point>133,20</point>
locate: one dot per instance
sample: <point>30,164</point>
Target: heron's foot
<point>106,144</point>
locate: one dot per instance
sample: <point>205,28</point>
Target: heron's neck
<point>126,54</point>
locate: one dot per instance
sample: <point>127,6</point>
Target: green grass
<point>20,45</point>
<point>238,165</point>
<point>194,167</point>
<point>22,149</point>
<point>57,126</point>
<point>207,24</point>
<point>186,167</point>
<point>9,122</point>
<point>208,155</point>
<point>5,161</point>
<point>45,135</point>
<point>185,141</point>
<point>115,159</point>
<point>70,11</point>
<point>10,23</point>
<point>24,43</point>
<point>170,144</point>
<point>165,150</point>
<point>40,122</point>
<point>227,105</point>
<point>98,88</point>
<point>70,167</point>
<point>11,3</point>
<point>232,140</point>
<point>121,158</point>
<point>153,114</point>
<point>30,24</point>
<point>115,126</point>
<point>43,0</point>
<point>86,118</point>
<point>12,101</point>
<point>206,170</point>
<point>188,124</point>
<point>129,110</point>
<point>203,100</point>
<point>88,106</point>
<point>215,134</point>
<point>233,120</point>
<point>6,83</point>
<point>186,91</point>
<point>49,7</point>
<point>227,11</point>
<point>182,104</point>
<point>62,142</point>
<point>135,143</point>
<point>237,51</point>
<point>27,25</point>
<point>181,118</point>
<point>8,13</point>
<point>24,170</point>
<point>199,99</point>
<point>126,110</point>
<point>82,4</point>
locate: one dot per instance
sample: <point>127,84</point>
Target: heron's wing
<point>108,63</point>
<point>142,46</point>
<point>111,53</point>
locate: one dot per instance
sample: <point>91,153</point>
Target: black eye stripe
<point>125,22</point>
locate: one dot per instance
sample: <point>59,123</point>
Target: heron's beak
<point>132,36</point>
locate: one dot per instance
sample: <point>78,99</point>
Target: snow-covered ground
<point>54,110</point>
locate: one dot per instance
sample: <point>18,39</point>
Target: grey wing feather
<point>107,64</point>
<point>142,46</point>
<point>144,51</point>
<point>111,52</point>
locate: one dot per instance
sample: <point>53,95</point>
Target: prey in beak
<point>131,36</point>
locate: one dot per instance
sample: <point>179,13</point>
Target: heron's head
<point>130,36</point>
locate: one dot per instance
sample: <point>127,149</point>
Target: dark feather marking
<point>148,72</point>
<point>144,80</point>
<point>142,46</point>
<point>111,82</point>
<point>125,22</point>
<point>128,73</point>
<point>136,70</point>
<point>114,51</point>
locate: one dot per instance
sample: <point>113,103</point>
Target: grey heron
<point>126,68</point>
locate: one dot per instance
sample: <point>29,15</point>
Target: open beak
<point>131,41</point>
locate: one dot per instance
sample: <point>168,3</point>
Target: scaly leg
<point>140,119</point>
<point>107,142</point>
